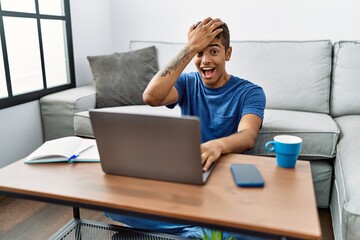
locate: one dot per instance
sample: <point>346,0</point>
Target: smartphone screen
<point>247,175</point>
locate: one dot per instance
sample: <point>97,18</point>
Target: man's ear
<point>228,54</point>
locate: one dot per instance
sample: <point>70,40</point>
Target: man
<point>230,109</point>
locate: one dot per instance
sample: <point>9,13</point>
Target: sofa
<point>312,90</point>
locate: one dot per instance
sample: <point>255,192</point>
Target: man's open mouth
<point>208,72</point>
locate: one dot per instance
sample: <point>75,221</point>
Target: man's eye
<point>214,52</point>
<point>199,54</point>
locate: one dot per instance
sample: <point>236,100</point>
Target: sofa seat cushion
<point>318,131</point>
<point>345,200</point>
<point>82,124</point>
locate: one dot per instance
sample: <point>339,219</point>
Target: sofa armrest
<point>58,109</point>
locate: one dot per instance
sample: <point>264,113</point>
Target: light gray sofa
<point>312,90</point>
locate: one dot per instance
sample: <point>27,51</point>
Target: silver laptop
<point>146,146</point>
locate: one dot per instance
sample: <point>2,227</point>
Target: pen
<point>76,155</point>
<point>85,149</point>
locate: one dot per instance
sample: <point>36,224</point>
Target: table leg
<point>76,213</point>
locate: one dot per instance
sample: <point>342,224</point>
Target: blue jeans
<point>187,231</point>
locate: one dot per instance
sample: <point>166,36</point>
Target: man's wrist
<point>191,49</point>
<point>221,145</point>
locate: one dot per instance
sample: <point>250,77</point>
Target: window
<point>36,50</point>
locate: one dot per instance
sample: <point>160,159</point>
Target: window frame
<point>12,100</point>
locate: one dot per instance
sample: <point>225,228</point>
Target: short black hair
<point>224,35</point>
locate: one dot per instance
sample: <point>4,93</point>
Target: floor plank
<point>26,219</point>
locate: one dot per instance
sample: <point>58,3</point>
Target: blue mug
<point>287,149</point>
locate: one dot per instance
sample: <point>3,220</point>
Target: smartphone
<point>247,175</point>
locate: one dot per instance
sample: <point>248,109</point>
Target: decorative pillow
<point>121,78</point>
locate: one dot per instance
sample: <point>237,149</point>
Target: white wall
<point>169,20</point>
<point>103,27</point>
<point>20,130</point>
<point>91,32</point>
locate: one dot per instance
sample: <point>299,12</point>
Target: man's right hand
<point>202,34</point>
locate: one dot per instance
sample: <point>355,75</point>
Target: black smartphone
<point>247,175</point>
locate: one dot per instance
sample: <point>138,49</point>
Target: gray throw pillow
<point>121,78</point>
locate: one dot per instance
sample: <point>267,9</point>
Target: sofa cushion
<point>345,95</point>
<point>345,200</point>
<point>318,131</point>
<point>82,124</point>
<point>295,75</point>
<point>121,78</point>
<point>303,68</point>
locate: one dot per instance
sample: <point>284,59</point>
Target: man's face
<point>210,62</point>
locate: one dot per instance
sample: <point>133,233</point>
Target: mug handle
<point>270,146</point>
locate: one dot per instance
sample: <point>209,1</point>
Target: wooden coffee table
<point>286,206</point>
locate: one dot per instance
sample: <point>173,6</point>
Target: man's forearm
<point>162,83</point>
<point>244,139</point>
<point>239,142</point>
<point>182,58</point>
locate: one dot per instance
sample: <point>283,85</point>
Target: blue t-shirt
<point>219,109</point>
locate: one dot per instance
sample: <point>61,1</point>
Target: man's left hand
<point>210,152</point>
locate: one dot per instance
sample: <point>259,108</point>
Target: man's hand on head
<point>200,35</point>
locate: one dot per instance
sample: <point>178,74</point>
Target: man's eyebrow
<point>214,45</point>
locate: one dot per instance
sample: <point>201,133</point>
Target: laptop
<point>147,146</point>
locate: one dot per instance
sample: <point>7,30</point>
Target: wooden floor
<point>25,219</point>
